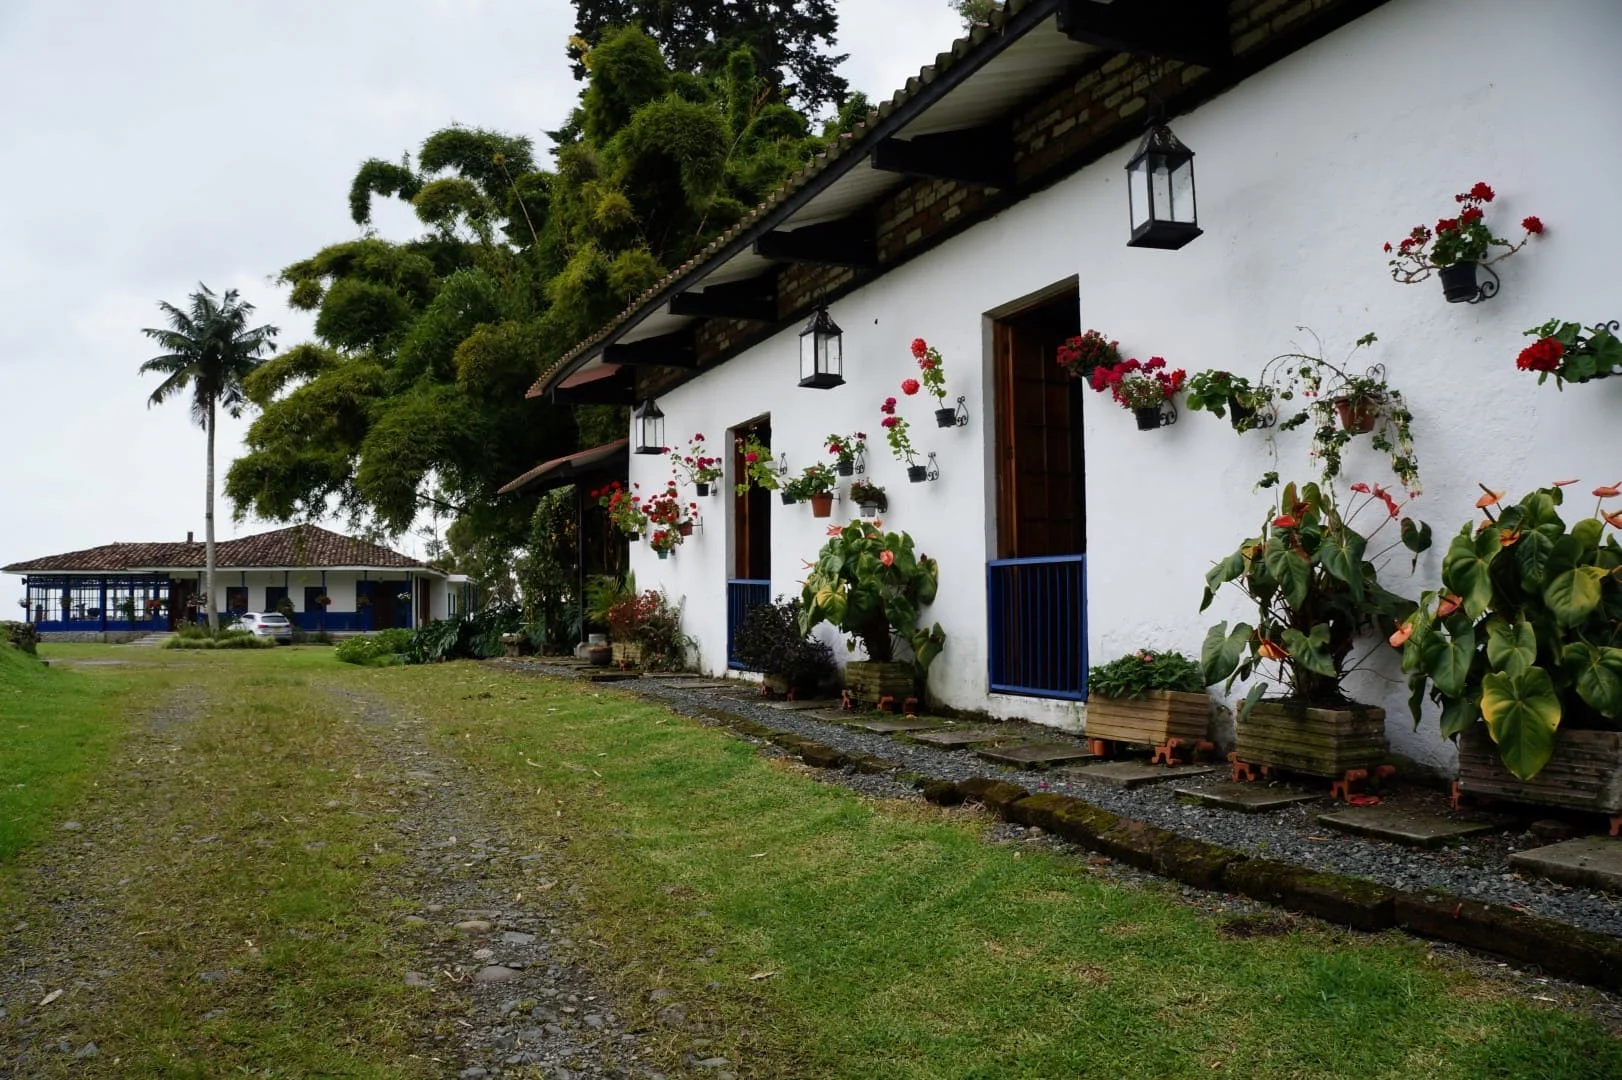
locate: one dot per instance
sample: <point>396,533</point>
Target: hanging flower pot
<point>702,488</point>
<point>685,528</point>
<point>822,504</point>
<point>662,553</point>
<point>1240,414</point>
<point>788,499</point>
<point>1459,283</point>
<point>1357,415</point>
<point>633,537</point>
<point>1148,417</point>
<point>869,510</point>
<point>946,418</point>
<point>846,467</point>
<point>917,473</point>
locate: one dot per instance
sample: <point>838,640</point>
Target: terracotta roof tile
<point>298,545</point>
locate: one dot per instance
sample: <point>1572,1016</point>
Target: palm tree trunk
<point>208,532</point>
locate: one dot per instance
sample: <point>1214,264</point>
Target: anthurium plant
<point>871,585</point>
<point>1572,352</point>
<point>1135,674</point>
<point>1525,634</point>
<point>1316,585</point>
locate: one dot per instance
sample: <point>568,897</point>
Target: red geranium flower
<point>1482,191</point>
<point>751,457</point>
<point>1533,224</point>
<point>1470,215</point>
<point>1543,354</point>
<point>890,421</point>
<point>920,347</point>
<point>909,387</point>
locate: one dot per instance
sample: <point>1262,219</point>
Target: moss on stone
<point>942,792</point>
<point>1041,810</point>
<point>995,795</point>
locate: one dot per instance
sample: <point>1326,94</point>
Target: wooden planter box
<point>1585,772</point>
<point>1151,720</point>
<point>627,654</point>
<point>1317,742</point>
<point>868,680</point>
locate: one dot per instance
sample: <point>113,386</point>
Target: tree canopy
<point>412,392</point>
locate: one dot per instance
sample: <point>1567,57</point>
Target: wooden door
<point>751,511</point>
<point>1041,508</point>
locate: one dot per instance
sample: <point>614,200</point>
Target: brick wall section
<point>1101,105</point>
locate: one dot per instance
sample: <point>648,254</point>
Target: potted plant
<point>625,512</point>
<point>757,466</point>
<point>849,451</point>
<point>1522,649</point>
<point>1222,392</point>
<point>1149,698</point>
<point>668,511</point>
<point>1086,351</point>
<point>871,584</point>
<point>700,469</point>
<point>1341,404</point>
<point>869,497</point>
<point>647,632</point>
<point>816,484</point>
<point>1316,587</point>
<point>932,370</point>
<point>897,434</point>
<point>771,642</point>
<point>1456,248</point>
<point>664,541</point>
<point>1142,388</point>
<point>1572,352</point>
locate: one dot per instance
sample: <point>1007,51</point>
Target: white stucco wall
<point>1303,172</point>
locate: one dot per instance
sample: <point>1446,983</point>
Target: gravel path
<point>1478,868</point>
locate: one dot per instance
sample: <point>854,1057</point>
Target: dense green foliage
<point>412,394</point>
<point>771,640</point>
<point>871,584</point>
<point>226,639</point>
<point>1135,674</point>
<point>474,636</point>
<point>383,647</point>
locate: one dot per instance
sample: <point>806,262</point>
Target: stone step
<point>890,725</point>
<point>1036,755</point>
<point>1593,862</point>
<point>1413,828</point>
<point>952,738</point>
<point>1246,798</point>
<point>803,705</point>
<point>1132,774</point>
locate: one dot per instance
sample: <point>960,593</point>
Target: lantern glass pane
<point>1182,193</point>
<point>1137,188</point>
<point>1160,190</point>
<point>808,353</point>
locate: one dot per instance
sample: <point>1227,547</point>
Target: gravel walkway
<point>1477,868</point>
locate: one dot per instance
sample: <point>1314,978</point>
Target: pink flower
<point>909,387</point>
<point>887,558</point>
<point>751,457</point>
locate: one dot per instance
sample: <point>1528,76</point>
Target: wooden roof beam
<point>754,299</point>
<point>1193,31</point>
<point>668,350</point>
<point>616,389</point>
<point>850,242</point>
<point>982,156</point>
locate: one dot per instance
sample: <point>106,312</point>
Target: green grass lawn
<point>812,932</point>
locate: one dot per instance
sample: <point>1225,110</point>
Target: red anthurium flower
<point>1614,520</point>
<point>1285,521</point>
<point>1532,224</point>
<point>1563,483</point>
<point>1609,492</point>
<point>887,558</point>
<point>1400,638</point>
<point>1509,539</point>
<point>1491,498</point>
<point>1448,606</point>
<point>835,530</point>
<point>1361,488</point>
<point>1270,650</point>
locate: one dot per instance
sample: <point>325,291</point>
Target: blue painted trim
<point>1036,626</point>
<point>743,594</point>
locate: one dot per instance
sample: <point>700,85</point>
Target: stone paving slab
<point>890,725</point>
<point>1589,861</point>
<point>1131,774</point>
<point>1246,798</point>
<point>803,705</point>
<point>1413,828</point>
<point>612,676</point>
<point>836,715</point>
<point>952,738</point>
<point>710,685</point>
<point>1037,755</point>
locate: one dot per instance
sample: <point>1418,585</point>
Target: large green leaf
<point>1341,554</point>
<point>1587,532</point>
<point>1448,663</point>
<point>1598,673</point>
<point>1511,648</point>
<point>1522,713</point>
<point>1290,570</point>
<point>1311,652</point>
<point>1458,714</point>
<point>1467,567</point>
<point>1532,556</point>
<point>1230,569</point>
<point>1574,594</point>
<point>1220,654</point>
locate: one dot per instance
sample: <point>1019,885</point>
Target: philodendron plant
<point>1526,633</point>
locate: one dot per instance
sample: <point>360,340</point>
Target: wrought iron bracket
<point>933,467</point>
<point>962,416</point>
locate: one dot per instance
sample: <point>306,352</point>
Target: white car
<point>271,624</point>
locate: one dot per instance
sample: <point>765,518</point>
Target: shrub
<point>312,637</point>
<point>383,647</point>
<point>653,622</point>
<point>871,584</point>
<point>228,639</point>
<point>474,636</point>
<point>22,635</point>
<point>1135,674</point>
<point>770,640</point>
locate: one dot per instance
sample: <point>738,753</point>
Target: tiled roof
<point>564,470</point>
<point>298,545</point>
<point>858,137</point>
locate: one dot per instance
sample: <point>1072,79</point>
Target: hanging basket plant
<point>1086,351</point>
<point>1223,393</point>
<point>932,373</point>
<point>1146,389</point>
<point>1459,249</point>
<point>1572,352</point>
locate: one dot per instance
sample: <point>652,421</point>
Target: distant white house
<point>121,590</point>
<point>985,208</point>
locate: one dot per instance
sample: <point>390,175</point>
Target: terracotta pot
<point>822,504</point>
<point>686,529</point>
<point>1314,741</point>
<point>1357,415</point>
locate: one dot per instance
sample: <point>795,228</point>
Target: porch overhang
<point>599,461</point>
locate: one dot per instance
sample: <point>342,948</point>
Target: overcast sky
<point>152,146</point>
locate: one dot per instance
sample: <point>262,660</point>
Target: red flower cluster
<point>890,421</point>
<point>1543,354</point>
<point>1461,239</point>
<point>1136,385</point>
<point>1532,224</point>
<point>920,348</point>
<point>888,408</point>
<point>909,386</point>
<point>930,363</point>
<point>1087,351</point>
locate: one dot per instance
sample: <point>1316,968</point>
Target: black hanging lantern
<point>822,352</point>
<point>1160,192</point>
<point>650,428</point>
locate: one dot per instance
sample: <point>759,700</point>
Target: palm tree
<point>210,351</point>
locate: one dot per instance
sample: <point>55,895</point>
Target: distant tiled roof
<point>858,138</point>
<point>299,545</point>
